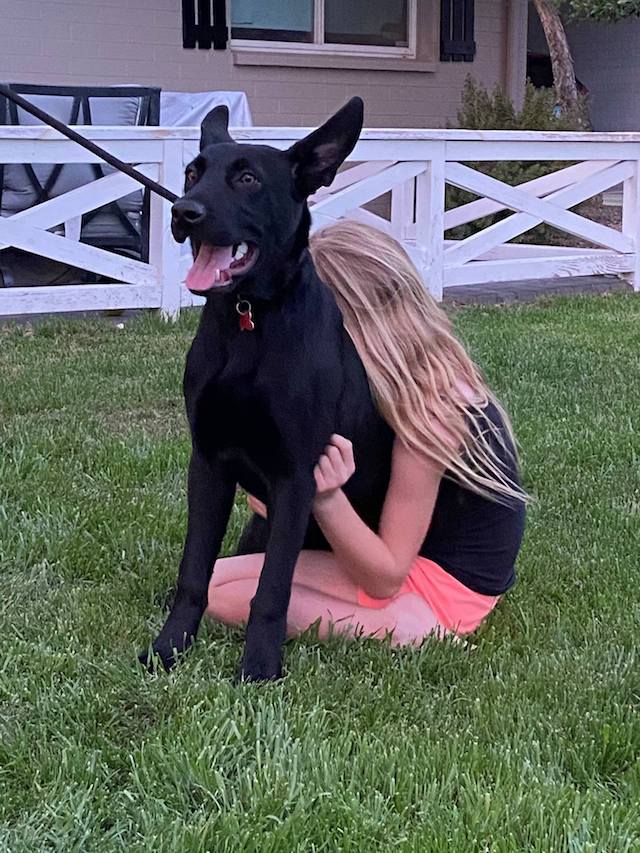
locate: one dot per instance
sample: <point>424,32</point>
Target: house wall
<point>607,60</point>
<point>140,41</point>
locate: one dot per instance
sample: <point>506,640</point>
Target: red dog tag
<point>244,310</point>
<point>246,323</point>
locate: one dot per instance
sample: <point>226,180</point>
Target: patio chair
<point>121,226</point>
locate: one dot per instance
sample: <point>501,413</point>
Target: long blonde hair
<point>421,377</point>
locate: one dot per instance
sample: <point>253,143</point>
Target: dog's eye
<point>191,177</point>
<point>247,179</point>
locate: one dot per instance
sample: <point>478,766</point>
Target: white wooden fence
<point>413,165</point>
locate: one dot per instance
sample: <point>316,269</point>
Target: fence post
<point>164,252</point>
<point>631,221</point>
<point>403,197</point>
<point>430,220</point>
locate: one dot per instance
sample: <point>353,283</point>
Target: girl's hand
<point>335,466</point>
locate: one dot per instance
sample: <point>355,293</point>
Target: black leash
<point>88,144</point>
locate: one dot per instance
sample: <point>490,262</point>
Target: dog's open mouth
<point>216,266</point>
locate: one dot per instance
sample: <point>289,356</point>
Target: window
<point>272,20</point>
<point>357,27</point>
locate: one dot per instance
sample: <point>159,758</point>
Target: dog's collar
<point>243,307</point>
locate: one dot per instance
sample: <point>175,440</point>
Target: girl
<point>453,517</point>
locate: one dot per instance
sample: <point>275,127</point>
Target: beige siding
<point>140,41</point>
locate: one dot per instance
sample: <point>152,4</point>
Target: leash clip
<point>243,307</point>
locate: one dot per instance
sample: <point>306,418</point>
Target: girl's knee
<point>230,602</point>
<point>233,569</point>
<point>412,619</point>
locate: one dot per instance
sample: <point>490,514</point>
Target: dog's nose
<point>188,212</point>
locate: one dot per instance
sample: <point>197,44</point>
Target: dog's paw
<point>153,659</point>
<point>259,668</point>
<point>161,655</point>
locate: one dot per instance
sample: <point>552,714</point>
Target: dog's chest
<point>268,396</point>
<point>251,411</point>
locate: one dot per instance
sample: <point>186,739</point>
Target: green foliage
<point>604,10</point>
<point>484,110</point>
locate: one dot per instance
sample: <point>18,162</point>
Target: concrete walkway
<point>527,291</point>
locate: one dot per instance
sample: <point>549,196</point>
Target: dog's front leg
<point>289,512</point>
<point>211,490</point>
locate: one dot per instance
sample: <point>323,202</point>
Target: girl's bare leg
<point>320,592</point>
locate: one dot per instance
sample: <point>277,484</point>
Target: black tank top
<point>472,537</point>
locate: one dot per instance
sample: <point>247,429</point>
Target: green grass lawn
<point>529,742</point>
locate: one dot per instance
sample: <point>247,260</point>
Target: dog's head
<point>245,206</point>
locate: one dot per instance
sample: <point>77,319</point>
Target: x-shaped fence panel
<point>51,229</point>
<point>394,180</point>
<point>28,230</point>
<point>417,217</point>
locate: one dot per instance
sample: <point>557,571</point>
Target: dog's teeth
<point>241,251</point>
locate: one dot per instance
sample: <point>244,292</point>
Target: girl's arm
<point>380,562</point>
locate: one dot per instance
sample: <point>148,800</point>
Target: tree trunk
<point>564,77</point>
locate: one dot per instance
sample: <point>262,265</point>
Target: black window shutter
<point>204,23</point>
<point>457,31</point>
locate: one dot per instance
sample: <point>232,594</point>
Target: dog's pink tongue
<point>205,272</point>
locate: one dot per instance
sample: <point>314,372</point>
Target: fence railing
<point>411,167</point>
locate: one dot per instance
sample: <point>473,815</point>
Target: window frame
<point>318,47</point>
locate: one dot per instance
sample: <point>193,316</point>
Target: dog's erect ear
<point>316,158</point>
<point>214,127</point>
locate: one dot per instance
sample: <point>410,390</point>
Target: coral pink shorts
<point>456,607</point>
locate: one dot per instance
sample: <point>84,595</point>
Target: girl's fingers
<point>321,485</point>
<point>335,458</point>
<point>331,477</point>
<point>345,448</point>
<point>341,441</point>
<point>336,464</point>
<point>326,469</point>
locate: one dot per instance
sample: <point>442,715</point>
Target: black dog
<point>271,373</point>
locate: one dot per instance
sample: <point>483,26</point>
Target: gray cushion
<point>18,194</point>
